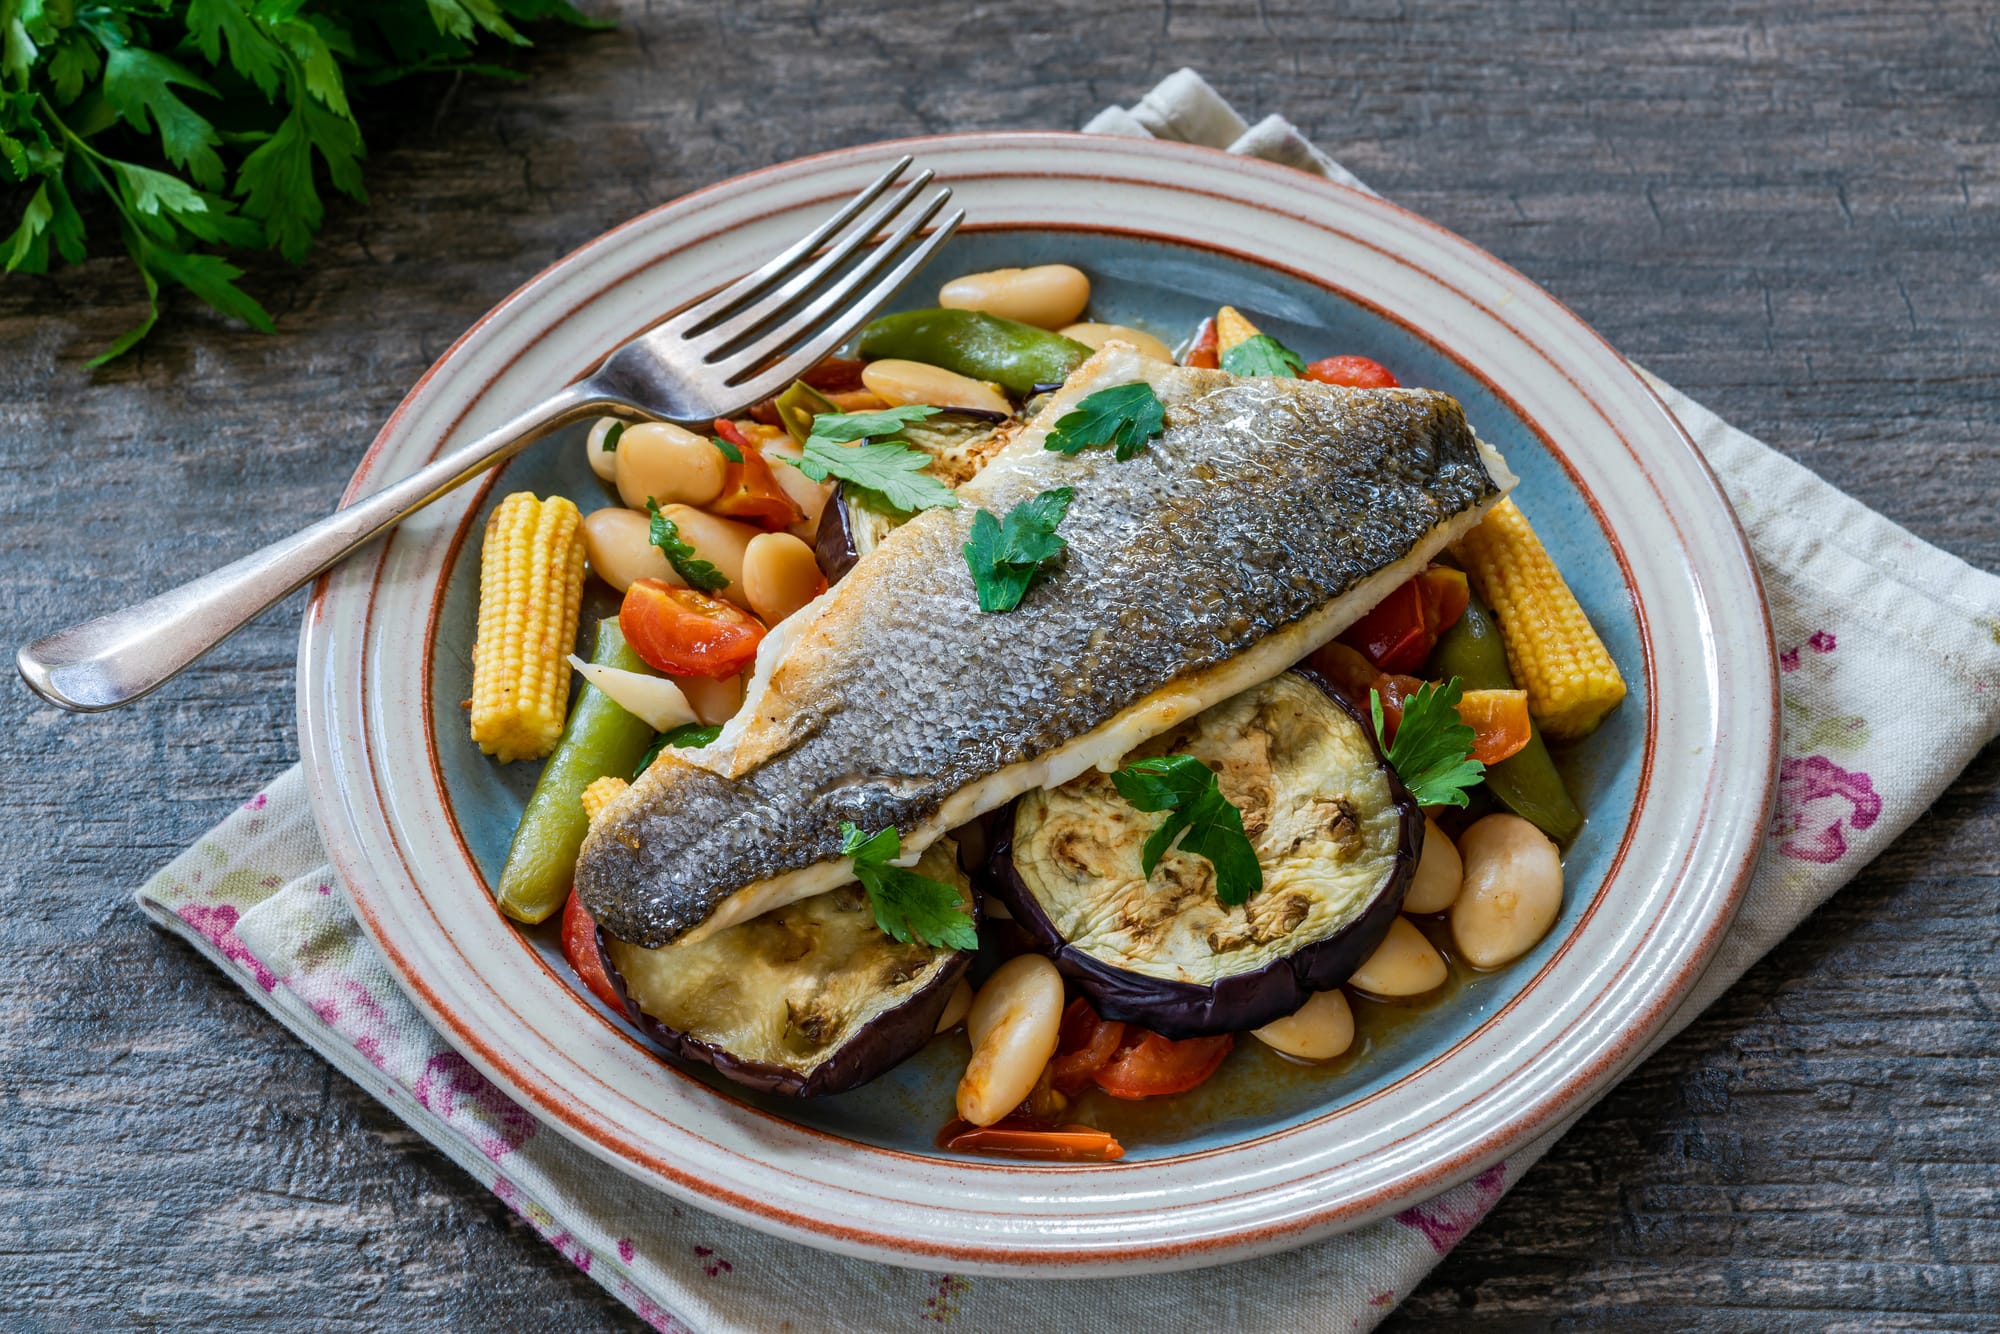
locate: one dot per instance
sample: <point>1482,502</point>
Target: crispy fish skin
<point>1264,501</point>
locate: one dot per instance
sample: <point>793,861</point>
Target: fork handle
<point>118,657</point>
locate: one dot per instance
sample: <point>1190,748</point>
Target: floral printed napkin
<point>1860,607</point>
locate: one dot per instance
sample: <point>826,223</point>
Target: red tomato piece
<point>751,494</point>
<point>684,633</point>
<point>1085,1045</point>
<point>1204,352</point>
<point>1446,594</point>
<point>1394,635</point>
<point>1499,722</point>
<point>1352,372</point>
<point>579,946</point>
<point>835,373</point>
<point>1155,1065</point>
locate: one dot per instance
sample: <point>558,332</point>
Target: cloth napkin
<point>1860,606</point>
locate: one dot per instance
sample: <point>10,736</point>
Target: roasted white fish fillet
<point>1266,519</point>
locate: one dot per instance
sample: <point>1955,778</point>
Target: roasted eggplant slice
<point>1335,830</point>
<point>811,998</point>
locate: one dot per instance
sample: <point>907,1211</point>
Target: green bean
<point>1526,782</point>
<point>1017,357</point>
<point>600,738</point>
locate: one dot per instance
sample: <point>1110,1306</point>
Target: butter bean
<point>670,465</point>
<point>1439,870</point>
<point>1404,964</point>
<point>1013,1023</point>
<point>780,576</point>
<point>603,462</point>
<point>808,495</point>
<point>1097,335</point>
<point>903,382</point>
<point>1047,296</point>
<point>1319,1030</point>
<point>620,551</point>
<point>714,702</point>
<point>720,542</point>
<point>1512,892</point>
<point>956,1007</point>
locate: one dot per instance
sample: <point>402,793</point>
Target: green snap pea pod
<point>600,738</point>
<point>797,407</point>
<point>1017,357</point>
<point>1526,782</point>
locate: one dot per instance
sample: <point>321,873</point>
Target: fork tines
<point>763,330</point>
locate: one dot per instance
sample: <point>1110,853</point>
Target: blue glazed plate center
<point>1165,289</point>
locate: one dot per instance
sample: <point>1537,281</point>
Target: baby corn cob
<point>1556,655</point>
<point>602,793</point>
<point>530,586</point>
<point>1230,329</point>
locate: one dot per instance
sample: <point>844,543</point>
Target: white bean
<point>1047,296</point>
<point>1404,964</point>
<point>621,551</point>
<point>603,462</point>
<point>903,382</point>
<point>714,701</point>
<point>808,495</point>
<point>660,461</point>
<point>1319,1030</point>
<point>955,1008</point>
<point>1439,870</point>
<point>1097,335</point>
<point>1014,1023</point>
<point>720,542</point>
<point>780,575</point>
<point>1512,893</point>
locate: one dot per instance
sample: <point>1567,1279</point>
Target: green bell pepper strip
<point>1526,782</point>
<point>798,406</point>
<point>1017,357</point>
<point>600,738</point>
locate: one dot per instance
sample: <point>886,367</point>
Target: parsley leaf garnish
<point>203,125</point>
<point>907,905</point>
<point>888,477</point>
<point>1263,355</point>
<point>1007,557</point>
<point>841,427</point>
<point>1125,415</point>
<point>665,534</point>
<point>1432,752</point>
<point>1204,821</point>
<point>885,475</point>
<point>609,443</point>
<point>688,736</point>
<point>729,451</point>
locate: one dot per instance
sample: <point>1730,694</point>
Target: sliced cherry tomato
<point>684,633</point>
<point>1155,1065</point>
<point>1352,372</point>
<point>1205,351</point>
<point>1353,676</point>
<point>1394,635</point>
<point>1027,1139</point>
<point>1499,722</point>
<point>749,492</point>
<point>1086,1042</point>
<point>1446,594</point>
<point>579,946</point>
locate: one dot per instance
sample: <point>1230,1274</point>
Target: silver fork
<point>714,359</point>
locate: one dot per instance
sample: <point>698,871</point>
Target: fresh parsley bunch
<point>207,125</point>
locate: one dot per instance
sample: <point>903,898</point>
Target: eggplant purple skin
<point>833,541</point>
<point>882,1044</point>
<point>1239,1002</point>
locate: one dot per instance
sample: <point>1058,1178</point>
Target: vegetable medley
<point>1398,782</point>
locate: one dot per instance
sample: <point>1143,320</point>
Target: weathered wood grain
<point>1790,211</point>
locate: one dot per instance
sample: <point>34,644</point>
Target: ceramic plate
<point>1267,1155</point>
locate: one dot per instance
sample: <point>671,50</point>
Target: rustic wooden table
<point>1792,214</point>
